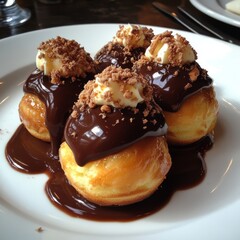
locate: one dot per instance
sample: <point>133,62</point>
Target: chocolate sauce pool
<point>30,155</point>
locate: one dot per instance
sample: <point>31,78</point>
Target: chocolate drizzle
<point>111,133</point>
<point>172,84</point>
<point>58,99</point>
<point>29,155</point>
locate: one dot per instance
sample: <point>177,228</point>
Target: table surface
<point>70,12</point>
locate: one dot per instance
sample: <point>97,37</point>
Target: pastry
<point>129,43</point>
<point>115,151</point>
<point>182,88</point>
<point>63,67</point>
<point>32,113</point>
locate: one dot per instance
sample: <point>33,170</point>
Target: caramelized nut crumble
<point>76,62</point>
<point>124,78</point>
<point>133,36</point>
<point>176,45</point>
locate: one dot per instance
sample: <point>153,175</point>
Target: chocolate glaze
<point>28,154</point>
<point>116,54</point>
<point>169,82</point>
<point>91,129</point>
<point>58,99</point>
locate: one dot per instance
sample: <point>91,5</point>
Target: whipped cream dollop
<point>167,48</point>
<point>116,87</point>
<point>133,36</point>
<point>46,63</point>
<point>110,94</point>
<point>63,58</point>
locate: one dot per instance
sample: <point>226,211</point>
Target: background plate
<point>216,9</point>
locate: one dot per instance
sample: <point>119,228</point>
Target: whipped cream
<point>63,58</point>
<point>133,36</point>
<point>116,87</point>
<point>46,63</point>
<point>174,49</point>
<point>109,93</point>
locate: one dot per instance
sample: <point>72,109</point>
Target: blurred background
<point>69,12</point>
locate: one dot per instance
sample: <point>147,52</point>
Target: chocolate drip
<point>172,84</point>
<point>109,134</point>
<point>117,55</point>
<point>28,154</point>
<point>58,99</point>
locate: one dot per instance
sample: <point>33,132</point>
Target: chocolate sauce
<point>117,55</point>
<point>172,84</point>
<point>28,154</point>
<point>58,99</point>
<point>91,129</point>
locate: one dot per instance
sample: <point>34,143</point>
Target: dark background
<point>70,12</point>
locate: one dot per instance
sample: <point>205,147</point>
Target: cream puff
<point>63,67</point>
<point>182,88</point>
<point>115,151</point>
<point>127,46</point>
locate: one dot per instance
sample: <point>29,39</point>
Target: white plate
<point>210,210</point>
<point>216,9</point>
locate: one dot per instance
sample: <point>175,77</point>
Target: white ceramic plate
<point>211,210</point>
<point>216,9</point>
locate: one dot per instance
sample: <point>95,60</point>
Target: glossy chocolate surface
<point>116,55</point>
<point>172,84</point>
<point>58,99</point>
<point>90,136</point>
<point>28,154</point>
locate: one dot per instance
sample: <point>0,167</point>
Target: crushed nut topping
<point>133,36</point>
<point>76,62</point>
<point>144,61</point>
<point>193,71</point>
<point>106,109</point>
<point>123,77</point>
<point>193,74</point>
<point>176,45</point>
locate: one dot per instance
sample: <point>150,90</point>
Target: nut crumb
<point>187,86</point>
<point>106,109</point>
<point>40,229</point>
<point>103,115</point>
<point>193,74</point>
